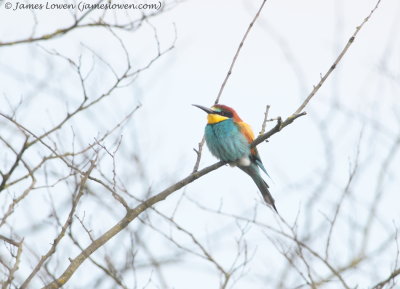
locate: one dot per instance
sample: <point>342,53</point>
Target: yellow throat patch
<point>215,118</point>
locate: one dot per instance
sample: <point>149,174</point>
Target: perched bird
<point>229,139</point>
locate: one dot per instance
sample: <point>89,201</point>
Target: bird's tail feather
<point>261,166</point>
<point>253,172</point>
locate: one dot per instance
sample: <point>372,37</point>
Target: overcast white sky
<point>292,43</point>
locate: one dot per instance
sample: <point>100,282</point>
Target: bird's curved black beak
<point>206,109</point>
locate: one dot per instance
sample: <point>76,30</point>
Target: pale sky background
<point>292,43</point>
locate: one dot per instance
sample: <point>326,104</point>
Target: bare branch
<point>264,124</point>
<point>389,279</point>
<point>338,59</point>
<point>67,223</point>
<point>7,175</point>
<point>198,152</point>
<point>238,51</point>
<point>133,213</point>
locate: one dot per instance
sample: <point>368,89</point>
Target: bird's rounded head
<point>219,112</point>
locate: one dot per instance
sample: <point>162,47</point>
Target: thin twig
<point>11,275</point>
<point>345,193</point>
<point>235,57</point>
<point>238,51</point>
<point>198,152</point>
<point>134,213</point>
<point>9,240</point>
<point>67,224</point>
<point>264,124</point>
<point>391,277</point>
<point>338,59</point>
<point>14,165</point>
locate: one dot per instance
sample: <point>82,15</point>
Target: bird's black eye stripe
<point>225,113</point>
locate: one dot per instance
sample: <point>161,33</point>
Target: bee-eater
<point>229,138</point>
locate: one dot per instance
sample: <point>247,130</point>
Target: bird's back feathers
<point>249,134</point>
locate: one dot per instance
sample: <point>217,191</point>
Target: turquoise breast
<point>225,141</point>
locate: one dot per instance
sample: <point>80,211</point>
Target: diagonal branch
<point>64,228</point>
<point>338,59</point>
<point>391,277</point>
<point>135,212</point>
<point>14,165</point>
